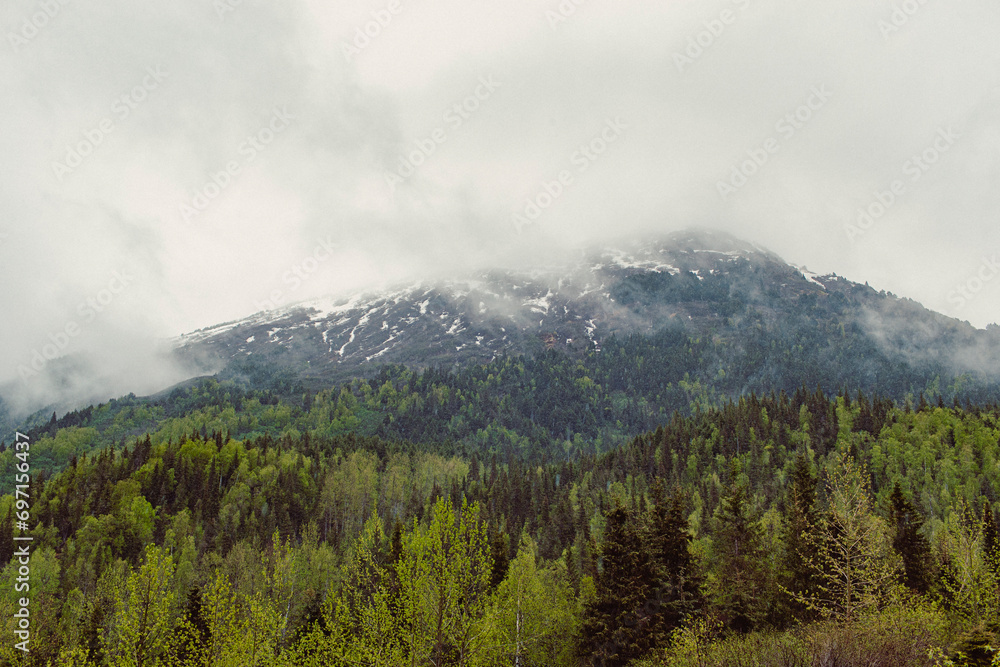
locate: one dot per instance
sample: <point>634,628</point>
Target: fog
<point>165,167</point>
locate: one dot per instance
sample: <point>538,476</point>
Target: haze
<point>165,167</point>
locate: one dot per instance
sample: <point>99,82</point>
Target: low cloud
<point>139,138</point>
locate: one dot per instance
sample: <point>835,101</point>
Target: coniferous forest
<point>522,513</point>
<point>533,333</point>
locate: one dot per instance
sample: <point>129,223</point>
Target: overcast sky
<point>173,162</point>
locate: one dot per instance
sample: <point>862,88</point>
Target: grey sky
<point>287,121</point>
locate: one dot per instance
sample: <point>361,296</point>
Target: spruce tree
<point>854,562</point>
<point>192,635</point>
<point>678,593</point>
<point>500,558</point>
<point>800,533</point>
<point>616,626</point>
<point>743,577</point>
<point>908,540</point>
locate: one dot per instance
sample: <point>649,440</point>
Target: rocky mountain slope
<point>706,284</point>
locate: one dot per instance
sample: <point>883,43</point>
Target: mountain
<point>779,321</point>
<point>606,344</point>
<point>549,465</point>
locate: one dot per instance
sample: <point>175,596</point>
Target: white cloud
<point>560,82</point>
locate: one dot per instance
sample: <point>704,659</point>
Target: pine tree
<point>500,558</point>
<point>800,532</point>
<point>678,594</point>
<point>616,625</point>
<point>192,635</point>
<point>909,541</point>
<point>742,576</point>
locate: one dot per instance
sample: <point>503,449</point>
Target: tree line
<point>762,516</point>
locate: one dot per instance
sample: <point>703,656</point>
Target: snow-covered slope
<point>477,317</point>
<point>707,284</point>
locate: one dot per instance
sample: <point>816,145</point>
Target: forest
<point>786,529</point>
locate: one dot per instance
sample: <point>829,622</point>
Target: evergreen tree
<point>616,626</point>
<point>853,559</point>
<point>743,581</point>
<point>908,540</point>
<point>678,594</point>
<point>192,635</point>
<point>799,534</point>
<point>500,558</point>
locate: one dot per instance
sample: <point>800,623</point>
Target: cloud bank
<point>168,167</point>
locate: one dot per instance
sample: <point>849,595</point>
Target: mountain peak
<point>698,282</point>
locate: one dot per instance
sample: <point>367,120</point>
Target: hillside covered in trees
<point>545,408</point>
<point>784,527</point>
<point>706,494</point>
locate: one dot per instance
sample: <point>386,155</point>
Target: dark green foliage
<point>976,646</point>
<point>193,634</point>
<point>743,577</point>
<point>800,532</point>
<point>500,553</point>
<point>617,625</point>
<point>190,480</point>
<point>909,540</point>
<point>678,596</point>
<point>553,405</point>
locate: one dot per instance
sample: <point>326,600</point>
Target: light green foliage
<point>970,585</point>
<point>226,628</point>
<point>535,614</point>
<point>245,629</point>
<point>213,507</point>
<point>365,626</point>
<point>431,607</point>
<point>43,608</point>
<point>855,567</point>
<point>443,575</point>
<point>139,630</point>
<point>896,637</point>
<point>350,492</point>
